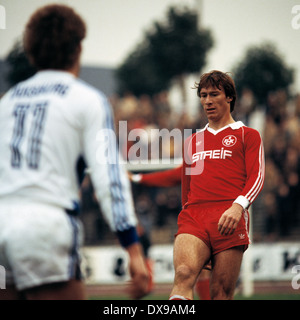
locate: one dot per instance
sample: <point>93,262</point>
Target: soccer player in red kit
<point>223,173</point>
<point>170,178</point>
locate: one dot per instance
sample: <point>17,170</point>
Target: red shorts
<point>201,220</point>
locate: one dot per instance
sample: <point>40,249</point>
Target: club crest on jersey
<point>229,141</point>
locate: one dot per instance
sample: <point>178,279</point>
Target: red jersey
<point>223,165</point>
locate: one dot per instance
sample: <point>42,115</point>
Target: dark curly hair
<point>52,37</point>
<point>218,79</point>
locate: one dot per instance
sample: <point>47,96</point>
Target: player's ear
<point>229,99</point>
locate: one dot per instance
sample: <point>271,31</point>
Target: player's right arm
<point>186,170</point>
<point>166,178</point>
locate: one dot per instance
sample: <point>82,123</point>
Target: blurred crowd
<point>148,121</point>
<point>281,194</point>
<point>276,213</point>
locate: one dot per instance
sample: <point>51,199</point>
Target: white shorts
<point>39,244</point>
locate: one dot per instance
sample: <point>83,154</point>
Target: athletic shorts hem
<point>33,284</point>
<point>195,235</point>
<point>246,245</point>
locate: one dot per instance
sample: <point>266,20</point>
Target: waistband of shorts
<point>21,202</point>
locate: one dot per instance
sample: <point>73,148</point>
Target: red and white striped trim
<point>254,191</point>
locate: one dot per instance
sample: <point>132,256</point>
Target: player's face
<point>215,103</point>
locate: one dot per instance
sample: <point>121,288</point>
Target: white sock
<point>177,297</point>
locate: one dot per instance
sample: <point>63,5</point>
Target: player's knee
<point>185,273</point>
<point>221,292</point>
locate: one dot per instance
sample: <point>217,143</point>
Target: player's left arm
<point>107,171</point>
<point>112,188</point>
<point>255,170</point>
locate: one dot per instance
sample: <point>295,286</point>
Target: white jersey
<point>46,124</point>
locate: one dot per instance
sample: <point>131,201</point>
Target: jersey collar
<point>233,126</point>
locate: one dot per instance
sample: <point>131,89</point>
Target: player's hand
<point>230,219</point>
<point>129,174</point>
<point>135,178</point>
<point>139,284</point>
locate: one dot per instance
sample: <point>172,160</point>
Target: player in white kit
<point>47,123</point>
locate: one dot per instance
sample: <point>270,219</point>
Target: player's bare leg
<point>225,272</point>
<point>190,255</point>
<point>70,290</point>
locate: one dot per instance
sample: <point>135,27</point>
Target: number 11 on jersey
<point>34,135</point>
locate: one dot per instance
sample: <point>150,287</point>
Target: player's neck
<point>221,123</point>
<point>75,69</point>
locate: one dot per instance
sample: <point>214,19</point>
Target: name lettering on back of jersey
<point>32,91</point>
<point>212,154</point>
